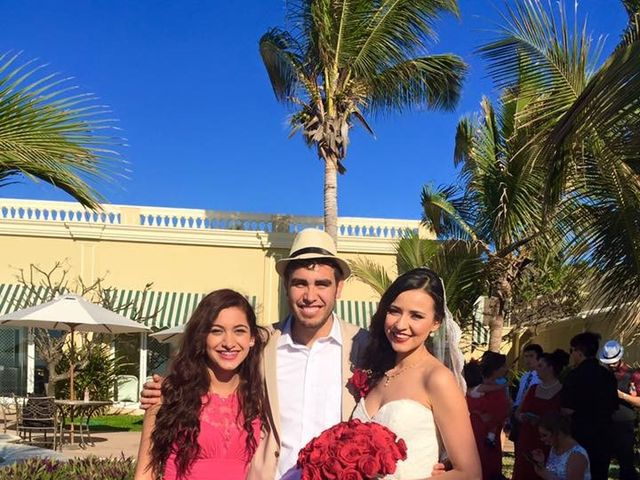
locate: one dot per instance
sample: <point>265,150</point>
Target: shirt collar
<point>335,334</point>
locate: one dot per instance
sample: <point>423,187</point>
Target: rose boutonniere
<point>360,383</point>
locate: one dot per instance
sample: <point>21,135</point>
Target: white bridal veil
<point>446,344</point>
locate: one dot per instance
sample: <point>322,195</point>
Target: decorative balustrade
<point>39,211</point>
<point>180,218</point>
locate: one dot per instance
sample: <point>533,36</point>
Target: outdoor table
<point>82,409</point>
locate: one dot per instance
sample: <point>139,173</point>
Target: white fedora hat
<point>312,243</point>
<point>611,352</point>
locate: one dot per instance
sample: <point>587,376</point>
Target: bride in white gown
<point>413,393</point>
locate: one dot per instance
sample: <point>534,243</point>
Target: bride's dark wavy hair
<point>379,355</point>
<point>178,419</point>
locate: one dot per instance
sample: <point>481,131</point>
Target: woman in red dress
<point>489,406</point>
<point>539,400</point>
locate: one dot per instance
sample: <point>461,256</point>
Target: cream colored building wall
<point>176,256</point>
<point>559,334</point>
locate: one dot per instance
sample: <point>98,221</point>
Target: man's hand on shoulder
<point>151,394</point>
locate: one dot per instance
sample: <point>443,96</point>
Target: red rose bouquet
<point>352,450</point>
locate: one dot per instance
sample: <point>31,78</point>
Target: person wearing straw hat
<point>309,357</point>
<point>624,419</point>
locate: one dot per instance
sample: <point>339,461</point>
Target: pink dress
<point>222,438</point>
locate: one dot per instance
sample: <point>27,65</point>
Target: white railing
<point>182,218</point>
<point>39,211</point>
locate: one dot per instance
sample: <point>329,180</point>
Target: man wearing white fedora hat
<point>624,419</point>
<point>309,357</point>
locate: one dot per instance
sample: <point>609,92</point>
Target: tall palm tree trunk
<point>496,326</point>
<point>331,198</point>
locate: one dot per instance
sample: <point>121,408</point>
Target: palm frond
<point>371,273</point>
<point>547,51</point>
<point>608,109</point>
<point>49,133</point>
<point>395,31</point>
<point>413,252</point>
<point>283,66</point>
<point>444,213</point>
<point>434,82</point>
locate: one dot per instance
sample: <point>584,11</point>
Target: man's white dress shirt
<point>528,379</point>
<point>309,392</point>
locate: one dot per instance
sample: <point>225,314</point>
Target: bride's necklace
<point>394,372</point>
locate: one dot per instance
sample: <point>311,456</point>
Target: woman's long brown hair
<point>178,419</point>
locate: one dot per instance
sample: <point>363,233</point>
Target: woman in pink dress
<point>213,410</point>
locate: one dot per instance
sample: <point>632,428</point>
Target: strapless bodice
<point>414,423</point>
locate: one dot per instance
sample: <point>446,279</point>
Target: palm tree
<point>345,58</point>
<point>584,121</point>
<point>497,209</point>
<point>50,133</point>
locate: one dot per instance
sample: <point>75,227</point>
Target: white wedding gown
<point>414,423</point>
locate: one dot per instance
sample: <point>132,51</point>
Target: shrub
<point>89,468</point>
<point>98,372</point>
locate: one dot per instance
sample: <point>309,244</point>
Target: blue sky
<point>203,128</point>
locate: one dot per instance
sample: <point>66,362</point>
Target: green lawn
<point>116,423</point>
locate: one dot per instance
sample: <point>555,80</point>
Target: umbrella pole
<point>72,357</point>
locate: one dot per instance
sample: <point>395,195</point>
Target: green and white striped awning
<point>355,311</point>
<point>158,310</point>
<point>15,297</point>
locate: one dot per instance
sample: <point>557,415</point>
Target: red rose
<point>388,463</point>
<point>316,456</point>
<point>349,454</point>
<point>369,466</point>
<point>310,472</point>
<point>332,469</point>
<point>351,474</point>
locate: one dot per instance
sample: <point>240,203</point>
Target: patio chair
<point>37,417</point>
<point>127,386</point>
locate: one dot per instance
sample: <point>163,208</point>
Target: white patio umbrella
<point>170,334</point>
<point>75,314</point>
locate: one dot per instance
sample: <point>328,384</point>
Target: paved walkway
<point>112,444</point>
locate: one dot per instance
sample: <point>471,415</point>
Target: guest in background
<point>539,400</point>
<point>489,406</point>
<point>530,355</point>
<point>590,396</point>
<point>624,419</point>
<point>567,460</point>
